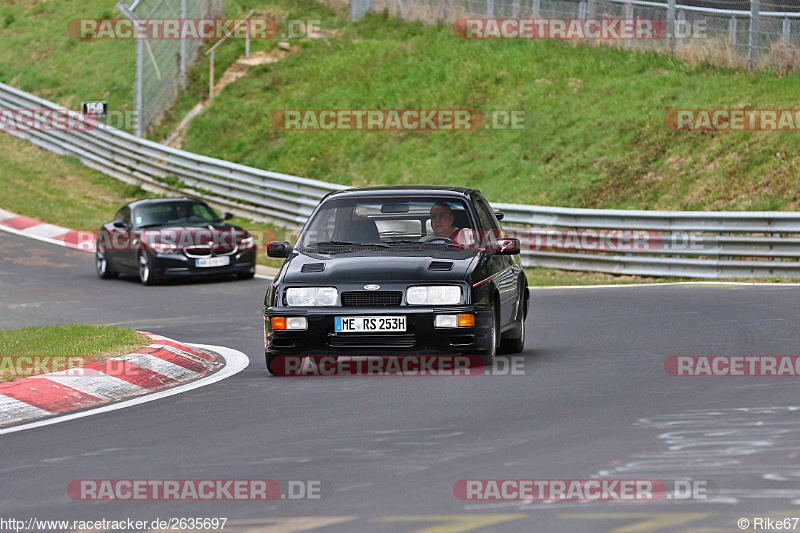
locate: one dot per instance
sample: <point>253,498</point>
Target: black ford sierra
<point>395,270</point>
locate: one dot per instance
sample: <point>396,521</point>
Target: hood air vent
<point>441,265</point>
<point>313,267</point>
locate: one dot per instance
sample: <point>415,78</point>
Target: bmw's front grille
<point>372,298</point>
<point>403,340</point>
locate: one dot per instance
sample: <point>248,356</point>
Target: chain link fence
<point>162,64</point>
<point>740,34</point>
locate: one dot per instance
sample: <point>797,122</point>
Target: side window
<point>486,215</point>
<point>124,215</point>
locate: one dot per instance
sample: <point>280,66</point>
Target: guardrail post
<point>787,31</point>
<point>515,9</point>
<point>732,31</point>
<point>671,23</point>
<point>724,257</point>
<point>489,8</point>
<point>680,23</point>
<point>752,45</point>
<point>536,8</point>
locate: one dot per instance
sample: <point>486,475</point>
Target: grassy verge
<point>596,132</point>
<point>66,346</point>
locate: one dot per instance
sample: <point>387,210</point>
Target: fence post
<point>138,104</point>
<point>211,76</point>
<point>515,9</point>
<point>752,45</point>
<point>732,31</point>
<point>680,23</point>
<point>448,7</point>
<point>247,41</point>
<point>628,16</point>
<point>671,23</point>
<point>787,31</point>
<point>489,8</point>
<point>536,8</point>
<point>182,51</point>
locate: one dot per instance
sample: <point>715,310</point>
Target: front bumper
<point>420,337</point>
<point>177,265</point>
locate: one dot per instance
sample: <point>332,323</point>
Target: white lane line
<point>626,285</point>
<point>37,237</point>
<point>235,362</point>
<point>12,410</point>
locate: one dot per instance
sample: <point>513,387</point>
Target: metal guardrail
<point>690,244</point>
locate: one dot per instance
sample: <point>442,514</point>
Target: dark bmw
<point>396,270</point>
<point>164,238</point>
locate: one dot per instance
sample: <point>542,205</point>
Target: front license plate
<point>213,261</point>
<point>345,324</point>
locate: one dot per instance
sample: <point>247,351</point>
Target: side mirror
<point>507,247</point>
<point>499,215</point>
<point>279,249</point>
<point>119,224</point>
<point>227,216</point>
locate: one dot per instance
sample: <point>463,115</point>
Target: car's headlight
<point>433,295</point>
<point>311,296</point>
<point>163,246</point>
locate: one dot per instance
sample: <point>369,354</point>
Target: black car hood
<point>378,265</point>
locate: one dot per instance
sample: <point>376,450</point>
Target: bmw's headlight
<point>433,295</point>
<point>311,296</point>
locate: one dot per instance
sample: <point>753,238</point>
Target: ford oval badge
<point>372,287</point>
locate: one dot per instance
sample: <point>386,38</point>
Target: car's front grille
<point>372,298</point>
<point>403,340</point>
<point>208,251</point>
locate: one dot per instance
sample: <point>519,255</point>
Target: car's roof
<point>403,190</point>
<point>145,201</point>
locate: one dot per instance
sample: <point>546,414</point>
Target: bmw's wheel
<point>147,274</point>
<point>102,266</point>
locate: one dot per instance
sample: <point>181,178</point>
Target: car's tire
<point>147,274</point>
<point>270,358</point>
<point>102,266</point>
<point>490,351</point>
<point>516,342</point>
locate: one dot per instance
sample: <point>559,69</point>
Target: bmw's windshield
<point>179,212</point>
<point>386,222</point>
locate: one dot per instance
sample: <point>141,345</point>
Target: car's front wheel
<point>102,265</point>
<point>515,343</point>
<point>147,274</point>
<point>490,351</point>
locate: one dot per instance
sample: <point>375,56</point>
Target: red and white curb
<point>36,229</point>
<point>162,364</point>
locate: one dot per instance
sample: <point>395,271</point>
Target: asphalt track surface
<point>594,402</point>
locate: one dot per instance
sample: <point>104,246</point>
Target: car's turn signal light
<point>278,322</point>
<point>466,321</point>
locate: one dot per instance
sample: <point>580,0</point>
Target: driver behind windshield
<point>442,221</point>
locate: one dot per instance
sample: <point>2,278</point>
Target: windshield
<point>386,222</point>
<point>177,212</point>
